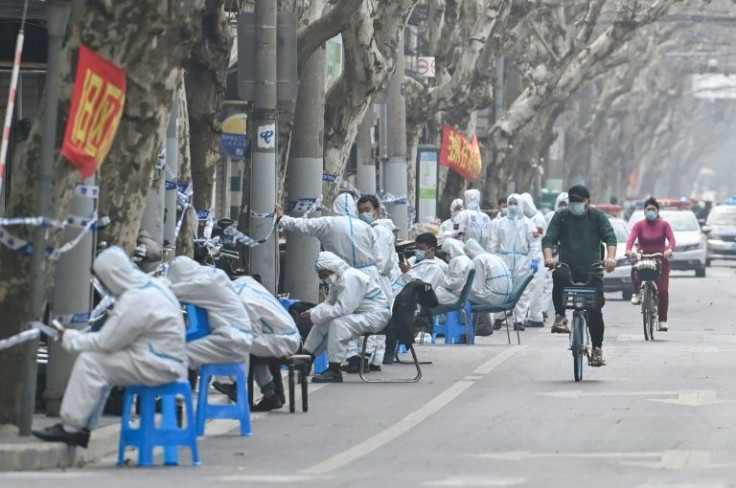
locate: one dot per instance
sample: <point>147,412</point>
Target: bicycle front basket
<point>580,298</point>
<point>647,269</point>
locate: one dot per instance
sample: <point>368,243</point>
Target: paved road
<point>660,414</point>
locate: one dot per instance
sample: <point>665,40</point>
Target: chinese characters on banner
<point>459,154</point>
<point>97,107</point>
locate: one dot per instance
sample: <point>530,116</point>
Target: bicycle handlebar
<point>595,269</point>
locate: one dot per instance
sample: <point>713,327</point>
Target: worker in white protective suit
<point>514,240</point>
<point>210,288</point>
<point>456,276</point>
<point>141,343</point>
<point>450,227</point>
<point>422,266</point>
<point>343,234</point>
<point>561,202</point>
<point>474,224</point>
<point>536,287</point>
<point>354,306</point>
<point>388,267</point>
<point>275,335</point>
<point>492,283</point>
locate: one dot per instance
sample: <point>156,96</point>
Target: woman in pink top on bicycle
<point>651,234</point>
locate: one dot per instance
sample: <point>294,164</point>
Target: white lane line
<point>270,479</point>
<point>410,421</point>
<point>475,481</point>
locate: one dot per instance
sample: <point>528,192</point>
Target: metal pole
<point>264,131</point>
<point>172,174</point>
<point>366,179</point>
<point>304,177</point>
<point>72,295</point>
<point>57,14</point>
<point>396,167</point>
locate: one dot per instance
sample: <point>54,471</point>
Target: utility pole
<point>395,179</point>
<point>304,176</point>
<point>366,178</point>
<point>57,15</point>
<point>72,295</point>
<point>264,131</point>
<point>172,163</point>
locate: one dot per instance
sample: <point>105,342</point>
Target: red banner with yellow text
<point>459,154</point>
<point>97,107</point>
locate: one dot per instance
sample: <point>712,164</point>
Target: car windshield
<point>621,231</point>
<point>723,215</point>
<point>681,221</point>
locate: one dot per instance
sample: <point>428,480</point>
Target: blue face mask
<point>420,254</point>
<point>651,215</point>
<point>366,217</point>
<point>577,208</point>
<point>514,211</point>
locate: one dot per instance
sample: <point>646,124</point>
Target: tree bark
<point>149,39</point>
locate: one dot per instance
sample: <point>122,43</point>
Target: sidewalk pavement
<point>31,454</point>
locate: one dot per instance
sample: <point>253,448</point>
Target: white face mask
<point>514,211</point>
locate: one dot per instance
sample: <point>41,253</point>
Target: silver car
<point>690,250</point>
<point>721,231</point>
<point>620,279</point>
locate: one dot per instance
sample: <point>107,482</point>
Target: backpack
<point>595,219</point>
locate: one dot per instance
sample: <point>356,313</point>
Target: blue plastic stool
<point>147,435</point>
<point>454,327</point>
<point>238,411</point>
<point>320,363</point>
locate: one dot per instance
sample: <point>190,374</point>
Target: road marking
<point>692,398</point>
<point>272,479</point>
<point>522,455</point>
<point>671,460</point>
<point>575,394</point>
<point>475,481</point>
<point>678,461</point>
<point>473,378</point>
<point>410,421</point>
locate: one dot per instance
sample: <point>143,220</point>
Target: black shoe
<point>497,324</point>
<point>267,403</point>
<point>532,323</point>
<point>328,376</point>
<point>484,330</point>
<point>353,366</point>
<point>56,433</point>
<point>227,389</point>
<point>519,326</point>
<point>374,367</point>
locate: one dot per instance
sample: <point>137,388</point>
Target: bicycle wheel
<point>578,341</point>
<point>646,294</point>
<point>653,309</point>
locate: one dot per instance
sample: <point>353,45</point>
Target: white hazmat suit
<point>343,234</point>
<point>492,283</point>
<point>210,288</point>
<point>514,240</point>
<point>354,306</point>
<point>474,223</point>
<point>431,271</point>
<point>447,229</point>
<point>141,343</point>
<point>275,332</point>
<point>536,287</point>
<point>457,272</point>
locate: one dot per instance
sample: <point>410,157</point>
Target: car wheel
<point>708,263</point>
<point>700,272</point>
<point>627,294</point>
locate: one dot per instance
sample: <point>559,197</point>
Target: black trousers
<point>561,279</point>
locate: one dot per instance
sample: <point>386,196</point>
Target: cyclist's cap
<point>578,193</point>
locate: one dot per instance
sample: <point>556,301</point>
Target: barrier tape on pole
<point>87,191</point>
<point>26,248</point>
<point>35,330</point>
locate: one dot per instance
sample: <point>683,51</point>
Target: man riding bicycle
<point>578,232</point>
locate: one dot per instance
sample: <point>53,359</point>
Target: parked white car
<point>690,250</point>
<point>721,231</point>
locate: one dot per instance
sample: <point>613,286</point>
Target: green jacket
<point>579,238</point>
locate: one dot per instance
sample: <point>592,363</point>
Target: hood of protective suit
<point>455,203</point>
<point>331,262</point>
<point>562,197</point>
<point>345,204</point>
<point>453,247</point>
<point>527,205</point>
<point>183,269</point>
<point>387,223</point>
<point>473,249</point>
<point>117,272</point>
<point>472,199</point>
<point>514,196</point>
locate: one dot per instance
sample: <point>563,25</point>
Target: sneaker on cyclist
<point>635,299</point>
<point>597,358</point>
<point>560,325</point>
<point>663,326</point>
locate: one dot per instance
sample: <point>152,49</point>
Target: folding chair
<point>508,305</point>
